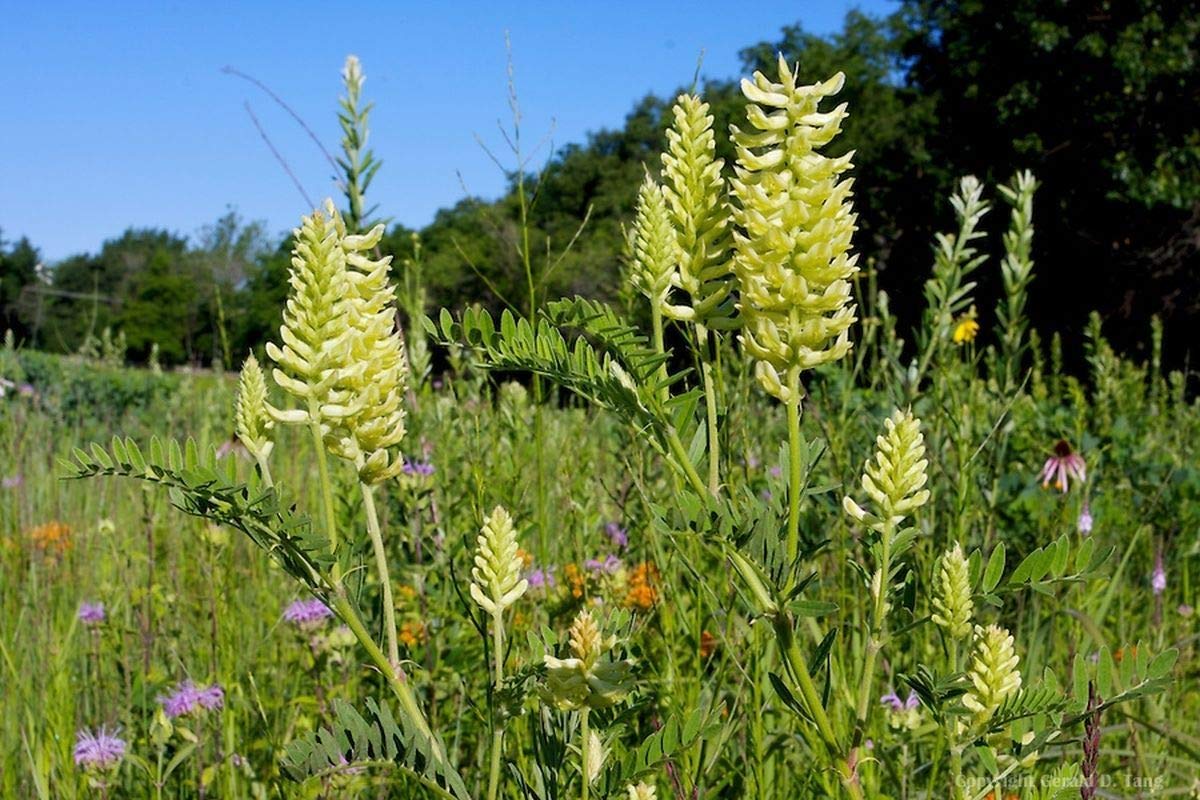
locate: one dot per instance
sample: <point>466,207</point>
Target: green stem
<point>323,473</point>
<point>875,637</point>
<point>685,463</point>
<point>795,468</point>
<point>710,408</point>
<point>656,321</point>
<point>498,731</point>
<point>585,735</point>
<point>398,684</point>
<point>381,565</point>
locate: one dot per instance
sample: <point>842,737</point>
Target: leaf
<point>994,570</point>
<point>1162,664</point>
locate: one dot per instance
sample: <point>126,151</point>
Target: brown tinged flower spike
<point>587,679</point>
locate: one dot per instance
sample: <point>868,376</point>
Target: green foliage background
<point>1097,99</point>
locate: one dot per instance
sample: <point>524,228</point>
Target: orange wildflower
<point>575,580</point>
<point>412,633</point>
<point>642,593</point>
<point>51,538</point>
<point>708,645</point>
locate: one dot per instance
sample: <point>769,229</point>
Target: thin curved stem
<point>381,565</point>
<point>795,468</point>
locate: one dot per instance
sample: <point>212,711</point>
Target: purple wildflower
<point>1185,610</point>
<point>1085,519</point>
<point>418,468</point>
<point>91,614</point>
<point>617,535</point>
<point>12,481</point>
<point>892,699</point>
<point>541,579</point>
<point>307,614</point>
<point>1158,581</point>
<point>100,751</point>
<point>752,461</point>
<point>776,471</point>
<point>188,698</point>
<point>608,566</point>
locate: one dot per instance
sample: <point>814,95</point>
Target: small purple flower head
<point>422,469</point>
<point>752,461</point>
<point>912,701</point>
<point>892,700</point>
<point>12,481</point>
<point>617,535</point>
<point>1185,610</point>
<point>91,614</point>
<point>540,579</point>
<point>608,566</point>
<point>100,751</point>
<point>307,615</point>
<point>775,471</point>
<point>1158,581</point>
<point>1085,519</point>
<point>189,699</point>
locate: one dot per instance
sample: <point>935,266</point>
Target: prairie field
<point>706,463</point>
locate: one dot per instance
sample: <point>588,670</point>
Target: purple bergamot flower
<point>100,751</point>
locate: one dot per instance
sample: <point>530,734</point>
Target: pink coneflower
<point>1158,580</point>
<point>617,535</point>
<point>1062,466</point>
<point>606,566</point>
<point>307,614</point>
<point>1085,519</point>
<point>100,751</point>
<point>189,699</point>
<point>91,614</point>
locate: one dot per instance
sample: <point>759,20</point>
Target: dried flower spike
<point>795,221</point>
<point>587,679</point>
<point>497,577</point>
<point>952,601</point>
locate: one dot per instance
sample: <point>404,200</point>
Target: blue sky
<point>118,113</point>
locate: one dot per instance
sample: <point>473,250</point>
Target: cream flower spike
<point>993,674</point>
<point>367,402</point>
<point>497,577</point>
<point>642,791</point>
<point>251,421</point>
<point>314,350</point>
<point>699,212</point>
<point>895,477</point>
<point>652,245</point>
<point>794,225</point>
<point>952,601</point>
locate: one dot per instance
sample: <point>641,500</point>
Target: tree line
<point>1099,99</point>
